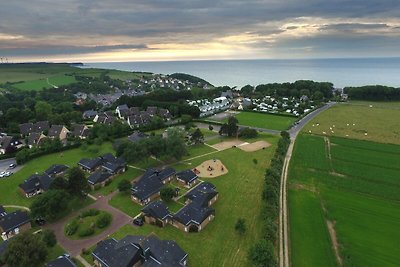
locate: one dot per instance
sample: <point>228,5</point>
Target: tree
<point>50,204</point>
<point>25,250</point>
<point>210,127</point>
<point>59,183</point>
<point>175,146</point>
<point>167,193</point>
<point>49,238</point>
<point>77,183</point>
<point>241,226</point>
<point>42,110</point>
<point>124,185</point>
<point>229,128</point>
<point>103,220</point>
<point>262,254</point>
<point>197,136</point>
<point>248,133</point>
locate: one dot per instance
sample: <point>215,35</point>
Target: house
<point>164,113</point>
<point>187,178</point>
<point>26,128</point>
<point>41,126</point>
<point>107,162</point>
<point>36,184</point>
<point>89,114</point>
<point>157,213</point>
<point>62,261</point>
<point>80,131</point>
<point>148,187</point>
<point>104,118</point>
<point>139,251</point>
<point>137,136</point>
<point>152,111</point>
<point>14,223</point>
<point>56,170</point>
<point>122,111</point>
<point>8,144</point>
<point>36,139</point>
<point>197,212</point>
<point>90,165</point>
<point>58,131</point>
<point>98,179</point>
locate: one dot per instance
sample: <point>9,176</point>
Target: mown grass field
<point>10,194</point>
<point>357,120</point>
<point>46,83</point>
<point>239,197</point>
<point>354,184</point>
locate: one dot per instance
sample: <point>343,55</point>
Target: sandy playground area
<point>227,144</point>
<point>211,168</point>
<point>251,147</point>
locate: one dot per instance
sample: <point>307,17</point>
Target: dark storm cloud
<point>89,26</point>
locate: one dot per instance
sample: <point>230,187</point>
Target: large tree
<point>77,183</point>
<point>42,110</point>
<point>25,250</point>
<point>229,128</point>
<point>262,254</point>
<point>197,136</point>
<point>50,204</point>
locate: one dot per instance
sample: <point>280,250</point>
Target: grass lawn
<point>129,175</point>
<point>10,194</point>
<point>265,121</point>
<point>123,202</point>
<point>42,83</point>
<point>380,122</point>
<point>85,223</point>
<point>54,252</point>
<point>197,150</point>
<point>358,183</point>
<point>239,197</point>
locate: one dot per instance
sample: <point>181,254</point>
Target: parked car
<point>2,174</point>
<point>12,166</point>
<point>40,221</point>
<point>138,221</point>
<point>8,174</point>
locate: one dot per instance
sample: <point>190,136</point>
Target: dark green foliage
<point>71,227</point>
<point>59,183</point>
<point>50,204</point>
<point>89,213</point>
<point>262,254</point>
<point>373,92</point>
<point>248,133</point>
<point>49,238</point>
<point>124,185</point>
<point>230,129</point>
<point>25,250</point>
<point>103,220</point>
<point>255,161</point>
<point>77,183</point>
<point>240,226</point>
<point>190,78</point>
<point>167,193</point>
<point>84,232</point>
<point>197,136</point>
<point>210,127</point>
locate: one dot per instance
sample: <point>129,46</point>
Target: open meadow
<point>352,186</point>
<point>373,121</point>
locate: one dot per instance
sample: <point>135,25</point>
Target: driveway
<point>6,162</point>
<point>74,247</point>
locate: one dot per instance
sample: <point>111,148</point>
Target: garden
<point>88,223</point>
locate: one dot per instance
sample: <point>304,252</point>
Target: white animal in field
<point>348,124</point>
<point>309,131</point>
<point>366,134</point>
<point>323,132</point>
<point>347,135</point>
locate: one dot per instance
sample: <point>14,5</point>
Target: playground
<point>211,168</point>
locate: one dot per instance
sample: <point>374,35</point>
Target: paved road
<point>283,218</point>
<point>74,247</point>
<point>6,162</point>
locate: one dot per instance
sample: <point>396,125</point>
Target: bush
<point>103,220</point>
<point>124,185</point>
<point>241,226</point>
<point>71,228</point>
<point>262,254</point>
<point>49,238</point>
<point>248,133</point>
<point>255,161</point>
<point>167,193</point>
<point>89,213</point>
<point>86,232</point>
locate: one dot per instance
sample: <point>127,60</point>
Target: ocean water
<point>341,72</point>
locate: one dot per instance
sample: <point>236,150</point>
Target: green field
<point>10,194</point>
<point>240,192</point>
<point>265,121</point>
<point>355,185</point>
<point>45,83</point>
<point>357,120</point>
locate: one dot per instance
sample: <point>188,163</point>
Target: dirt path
<point>335,243</point>
<point>74,247</point>
<point>17,207</point>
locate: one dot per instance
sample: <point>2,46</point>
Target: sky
<point>159,30</point>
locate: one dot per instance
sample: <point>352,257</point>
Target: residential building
<point>157,213</point>
<point>9,144</point>
<point>137,136</point>
<point>14,223</point>
<point>89,114</point>
<point>62,261</point>
<point>98,179</point>
<point>187,178</point>
<point>139,251</point>
<point>56,170</point>
<point>80,131</point>
<point>35,184</point>
<point>58,131</point>
<point>36,139</point>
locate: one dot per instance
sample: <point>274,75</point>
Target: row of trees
<point>373,92</point>
<point>173,146</point>
<point>262,252</point>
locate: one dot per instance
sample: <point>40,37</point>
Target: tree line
<point>373,92</point>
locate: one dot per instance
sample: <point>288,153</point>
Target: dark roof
<point>137,136</point>
<point>157,209</point>
<point>5,141</point>
<point>2,211</point>
<point>34,138</point>
<point>55,130</point>
<point>151,182</point>
<point>80,130</point>
<point>41,126</point>
<point>151,110</point>
<point>89,114</point>
<point>109,254</point>
<point>123,107</point>
<point>13,220</point>
<point>98,177</point>
<point>56,169</point>
<point>90,164</point>
<point>36,182</point>
<point>202,194</point>
<point>193,213</point>
<point>62,261</point>
<point>132,249</point>
<point>3,247</point>
<point>187,175</point>
<point>26,128</point>
<point>112,164</point>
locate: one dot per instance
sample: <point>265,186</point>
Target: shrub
<point>86,232</point>
<point>103,220</point>
<point>262,254</point>
<point>248,133</point>
<point>167,193</point>
<point>255,161</point>
<point>210,127</point>
<point>89,213</point>
<point>124,185</point>
<point>49,238</point>
<point>72,227</point>
<point>241,226</point>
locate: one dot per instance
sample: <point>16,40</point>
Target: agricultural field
<point>46,83</point>
<point>372,121</point>
<point>239,197</point>
<point>10,193</point>
<point>352,186</point>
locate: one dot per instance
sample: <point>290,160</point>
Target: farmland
<point>240,192</point>
<point>353,185</point>
<point>372,121</point>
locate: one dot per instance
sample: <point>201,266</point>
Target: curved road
<point>283,222</point>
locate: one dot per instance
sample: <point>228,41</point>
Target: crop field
<point>265,121</point>
<point>355,185</point>
<point>239,197</point>
<point>378,122</point>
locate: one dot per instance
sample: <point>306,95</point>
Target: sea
<point>340,72</point>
